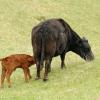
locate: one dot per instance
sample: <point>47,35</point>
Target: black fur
<point>55,37</point>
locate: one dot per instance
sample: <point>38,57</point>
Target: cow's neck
<point>74,37</point>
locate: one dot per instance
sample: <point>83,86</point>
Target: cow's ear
<point>85,39</point>
<point>79,42</point>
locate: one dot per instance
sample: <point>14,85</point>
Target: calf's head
<point>83,49</point>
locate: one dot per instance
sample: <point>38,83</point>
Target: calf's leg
<point>28,72</point>
<point>25,74</point>
<point>8,74</point>
<point>3,76</point>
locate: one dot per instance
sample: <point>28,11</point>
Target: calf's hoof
<point>26,81</point>
<point>30,77</point>
<point>9,86</point>
<point>2,86</point>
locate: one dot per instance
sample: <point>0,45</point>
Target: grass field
<point>80,80</point>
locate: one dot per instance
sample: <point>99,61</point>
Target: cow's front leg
<point>62,60</point>
<point>49,69</point>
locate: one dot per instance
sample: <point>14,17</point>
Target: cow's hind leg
<point>38,70</point>
<point>62,60</point>
<point>47,68</point>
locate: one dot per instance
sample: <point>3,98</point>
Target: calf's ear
<point>30,59</point>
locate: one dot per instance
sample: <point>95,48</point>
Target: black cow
<point>55,37</point>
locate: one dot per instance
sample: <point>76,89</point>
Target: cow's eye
<point>86,49</point>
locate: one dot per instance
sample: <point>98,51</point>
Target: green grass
<point>80,80</point>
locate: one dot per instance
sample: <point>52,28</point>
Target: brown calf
<point>10,63</point>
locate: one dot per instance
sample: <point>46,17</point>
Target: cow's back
<point>52,33</point>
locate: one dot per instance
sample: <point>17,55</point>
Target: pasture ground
<point>80,80</point>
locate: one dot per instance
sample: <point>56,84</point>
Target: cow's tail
<point>42,52</point>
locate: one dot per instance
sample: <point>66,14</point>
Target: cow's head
<point>83,49</point>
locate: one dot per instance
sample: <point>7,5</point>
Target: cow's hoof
<point>45,79</point>
<point>49,70</point>
<point>37,78</point>
<point>63,67</point>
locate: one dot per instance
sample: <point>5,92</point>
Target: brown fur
<point>10,63</point>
